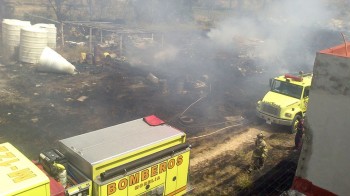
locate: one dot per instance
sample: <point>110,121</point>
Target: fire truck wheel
<point>293,128</point>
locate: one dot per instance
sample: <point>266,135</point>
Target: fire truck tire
<point>259,121</point>
<point>293,127</point>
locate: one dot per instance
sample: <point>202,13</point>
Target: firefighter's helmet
<point>260,135</point>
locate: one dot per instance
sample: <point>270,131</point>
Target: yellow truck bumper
<point>273,120</point>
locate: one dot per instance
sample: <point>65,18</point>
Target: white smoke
<point>285,30</point>
<point>166,54</point>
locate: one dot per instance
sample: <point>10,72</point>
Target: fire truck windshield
<point>287,88</point>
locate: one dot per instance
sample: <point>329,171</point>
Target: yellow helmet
<point>260,135</point>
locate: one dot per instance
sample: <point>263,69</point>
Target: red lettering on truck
<point>162,167</point>
<point>134,179</point>
<point>179,160</point>
<point>145,175</point>
<point>111,188</point>
<point>123,183</point>
<point>154,170</point>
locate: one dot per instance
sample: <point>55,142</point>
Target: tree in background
<point>2,9</point>
<point>57,6</point>
<point>156,11</point>
<point>7,9</point>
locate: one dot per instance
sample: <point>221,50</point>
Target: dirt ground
<point>216,112</point>
<point>220,166</point>
<point>38,109</point>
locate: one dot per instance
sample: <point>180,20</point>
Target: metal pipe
<point>346,46</point>
<point>90,40</point>
<point>101,36</point>
<point>62,34</point>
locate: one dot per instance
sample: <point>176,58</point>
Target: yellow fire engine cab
<point>140,157</point>
<point>286,100</point>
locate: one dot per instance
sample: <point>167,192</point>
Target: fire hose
<point>217,131</point>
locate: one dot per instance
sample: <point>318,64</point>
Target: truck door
<point>305,99</point>
<point>177,174</point>
<point>182,171</point>
<point>171,176</point>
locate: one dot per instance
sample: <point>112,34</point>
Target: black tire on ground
<point>186,120</point>
<point>293,127</point>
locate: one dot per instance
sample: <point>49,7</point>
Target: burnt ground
<point>38,109</point>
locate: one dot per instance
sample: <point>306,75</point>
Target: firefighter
<point>299,135</point>
<point>259,153</point>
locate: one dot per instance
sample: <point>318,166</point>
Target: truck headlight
<point>288,115</point>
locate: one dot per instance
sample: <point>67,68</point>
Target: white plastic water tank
<point>5,25</point>
<point>51,34</point>
<point>33,41</point>
<point>4,29</point>
<point>11,30</point>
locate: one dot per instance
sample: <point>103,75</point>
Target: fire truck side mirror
<point>270,83</point>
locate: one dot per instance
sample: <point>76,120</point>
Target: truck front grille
<point>270,109</point>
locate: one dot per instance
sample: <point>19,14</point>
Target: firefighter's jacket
<point>260,150</point>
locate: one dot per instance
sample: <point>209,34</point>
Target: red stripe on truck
<point>306,187</point>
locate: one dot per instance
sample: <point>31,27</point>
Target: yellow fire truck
<point>286,100</point>
<point>141,157</point>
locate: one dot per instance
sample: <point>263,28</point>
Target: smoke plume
<point>286,31</point>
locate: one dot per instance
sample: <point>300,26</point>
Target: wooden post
<point>121,45</point>
<point>90,40</point>
<point>101,36</point>
<point>62,35</point>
